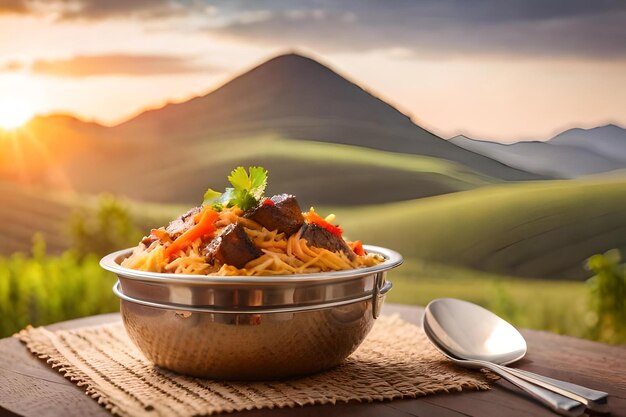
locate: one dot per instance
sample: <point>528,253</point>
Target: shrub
<point>41,289</point>
<point>608,297</point>
<point>110,227</point>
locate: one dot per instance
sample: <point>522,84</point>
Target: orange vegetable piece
<point>160,234</point>
<point>205,226</point>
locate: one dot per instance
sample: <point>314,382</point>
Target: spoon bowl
<point>469,331</point>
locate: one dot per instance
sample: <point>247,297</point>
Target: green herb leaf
<point>244,199</point>
<point>211,197</point>
<point>258,181</point>
<point>246,192</point>
<point>214,198</point>
<point>239,179</point>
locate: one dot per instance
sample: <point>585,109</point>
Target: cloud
<point>100,9</point>
<point>119,64</point>
<point>11,66</point>
<point>530,27</point>
<point>579,28</point>
<point>105,9</point>
<point>13,6</point>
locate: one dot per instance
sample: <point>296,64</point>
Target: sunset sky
<point>492,69</point>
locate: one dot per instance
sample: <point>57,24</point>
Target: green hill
<point>540,230</point>
<point>27,211</point>
<point>321,173</point>
<point>536,230</point>
<point>318,173</point>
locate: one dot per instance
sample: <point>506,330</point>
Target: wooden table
<point>29,387</point>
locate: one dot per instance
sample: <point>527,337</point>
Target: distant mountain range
<point>266,116</point>
<point>314,129</point>
<point>570,154</point>
<point>300,98</point>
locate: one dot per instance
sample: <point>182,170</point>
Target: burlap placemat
<point>395,361</point>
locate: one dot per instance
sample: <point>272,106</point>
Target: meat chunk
<point>319,237</point>
<point>232,247</point>
<point>281,212</point>
<point>149,240</point>
<point>182,223</point>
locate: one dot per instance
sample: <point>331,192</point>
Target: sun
<point>14,112</point>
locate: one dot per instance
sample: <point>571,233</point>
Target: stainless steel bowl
<point>250,328</point>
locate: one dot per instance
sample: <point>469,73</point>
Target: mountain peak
<point>607,140</point>
<point>294,68</point>
<point>290,58</point>
<point>288,87</point>
<point>611,126</point>
<point>461,137</point>
<point>59,119</point>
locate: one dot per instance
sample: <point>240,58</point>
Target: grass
<point>557,306</point>
<point>538,230</point>
<point>42,289</point>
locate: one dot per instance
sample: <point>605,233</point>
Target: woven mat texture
<point>395,361</point>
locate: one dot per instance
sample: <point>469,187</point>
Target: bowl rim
<point>294,308</point>
<point>110,263</point>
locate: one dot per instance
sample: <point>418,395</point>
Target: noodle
<point>281,255</point>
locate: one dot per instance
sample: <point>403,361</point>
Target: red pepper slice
<point>313,217</point>
<point>357,247</point>
<point>268,202</point>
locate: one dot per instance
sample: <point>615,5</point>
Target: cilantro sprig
<point>246,191</point>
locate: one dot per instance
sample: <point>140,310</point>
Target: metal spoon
<point>495,340</point>
<point>560,404</point>
<point>473,336</point>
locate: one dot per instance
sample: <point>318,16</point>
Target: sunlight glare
<point>14,112</point>
<point>503,339</point>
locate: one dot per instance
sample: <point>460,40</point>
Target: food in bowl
<point>249,288</point>
<point>241,232</point>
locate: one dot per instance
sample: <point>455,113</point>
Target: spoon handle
<point>594,400</point>
<point>558,403</point>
